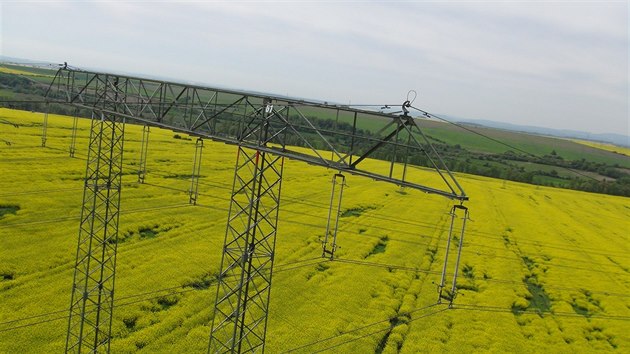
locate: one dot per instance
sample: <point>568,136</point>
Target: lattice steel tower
<point>242,302</point>
<point>91,306</point>
<point>266,129</point>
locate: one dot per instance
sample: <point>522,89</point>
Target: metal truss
<point>242,302</point>
<point>73,136</point>
<point>266,129</point>
<point>4,121</point>
<point>144,147</point>
<point>335,136</point>
<point>443,293</point>
<point>92,300</point>
<point>329,245</point>
<point>45,127</point>
<point>193,192</point>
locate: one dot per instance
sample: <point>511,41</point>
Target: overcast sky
<point>557,64</point>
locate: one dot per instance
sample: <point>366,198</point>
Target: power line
<point>455,307</point>
<point>204,105</point>
<point>560,265</point>
<point>382,265</point>
<point>482,234</point>
<point>283,268</point>
<point>348,261</point>
<point>467,242</point>
<point>534,312</point>
<point>425,114</point>
<point>33,324</point>
<point>326,309</point>
<point>387,266</point>
<point>376,332</point>
<point>392,230</point>
<point>359,329</point>
<point>489,280</point>
<point>68,218</point>
<point>372,216</point>
<point>545,262</point>
<point>27,101</point>
<point>377,217</point>
<point>294,222</point>
<point>431,115</point>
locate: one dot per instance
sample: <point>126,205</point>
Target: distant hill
<point>511,152</point>
<point>617,139</point>
<point>20,61</point>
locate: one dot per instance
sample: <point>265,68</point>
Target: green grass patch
<point>8,209</point>
<point>201,283</point>
<point>148,233</point>
<point>7,275</point>
<point>167,302</point>
<point>179,176</point>
<point>539,299</point>
<point>321,267</point>
<point>130,323</point>
<point>468,271</point>
<point>380,246</point>
<point>580,310</point>
<point>357,211</point>
<point>529,262</point>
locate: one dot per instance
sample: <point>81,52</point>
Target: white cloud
<point>468,58</point>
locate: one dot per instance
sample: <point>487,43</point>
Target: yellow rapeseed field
<point>21,72</point>
<point>603,146</point>
<point>542,269</point>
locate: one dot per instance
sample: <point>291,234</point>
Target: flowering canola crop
<point>542,269</point>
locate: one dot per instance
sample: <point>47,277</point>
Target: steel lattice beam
<point>92,300</point>
<point>73,137</point>
<point>225,115</point>
<point>242,302</point>
<point>329,244</point>
<point>444,293</point>
<point>266,129</point>
<point>45,127</point>
<point>193,192</point>
<point>144,148</point>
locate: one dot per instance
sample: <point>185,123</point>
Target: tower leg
<point>329,245</point>
<point>45,127</point>
<point>89,324</point>
<point>73,137</point>
<point>196,170</point>
<point>242,302</point>
<point>144,147</point>
<point>445,294</point>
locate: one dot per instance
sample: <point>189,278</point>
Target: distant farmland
<point>543,269</point>
<point>526,158</point>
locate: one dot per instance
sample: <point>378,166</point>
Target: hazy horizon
<point>556,65</point>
